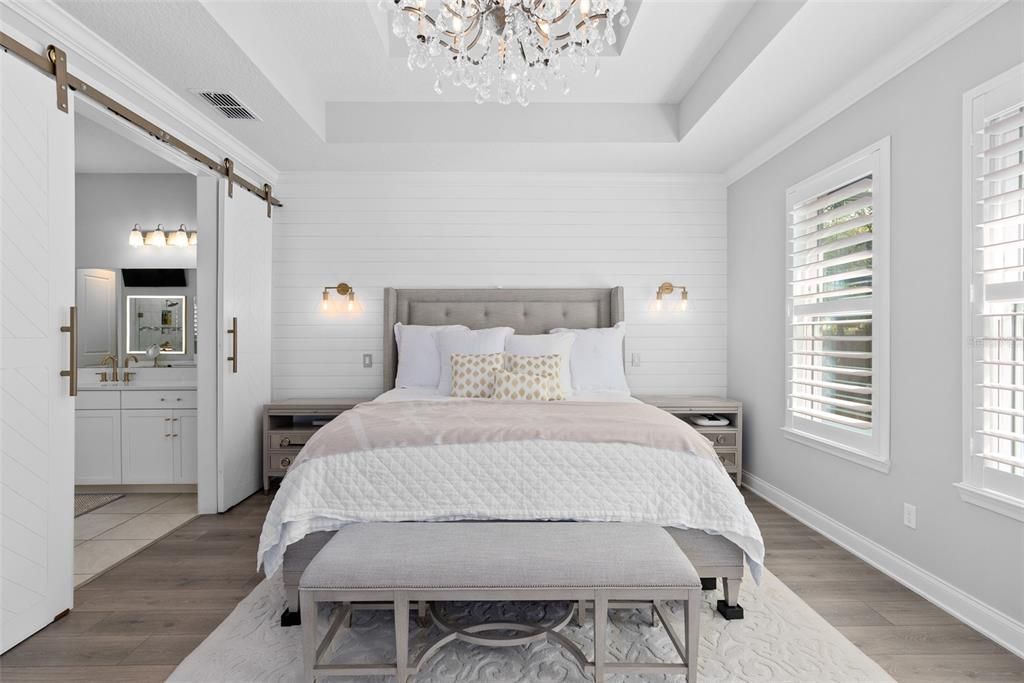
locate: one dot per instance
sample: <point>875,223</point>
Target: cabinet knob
<point>178,399</point>
<point>166,435</point>
<point>167,419</point>
<point>285,441</point>
<point>720,438</point>
<point>162,398</point>
<point>285,462</point>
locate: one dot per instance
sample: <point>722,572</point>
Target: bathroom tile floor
<point>118,530</point>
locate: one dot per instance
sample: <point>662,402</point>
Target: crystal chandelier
<point>505,49</point>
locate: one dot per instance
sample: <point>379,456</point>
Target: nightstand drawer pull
<point>290,439</point>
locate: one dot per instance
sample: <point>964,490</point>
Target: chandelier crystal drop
<point>503,50</point>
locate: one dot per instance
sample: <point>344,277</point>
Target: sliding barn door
<point>244,312</point>
<point>37,290</point>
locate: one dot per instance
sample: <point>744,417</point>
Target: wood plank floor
<point>140,619</point>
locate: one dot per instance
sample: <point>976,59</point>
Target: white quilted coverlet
<point>512,480</point>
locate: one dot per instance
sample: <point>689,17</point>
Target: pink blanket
<point>425,423</point>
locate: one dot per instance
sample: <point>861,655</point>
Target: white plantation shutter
<point>837,308</point>
<point>994,359</point>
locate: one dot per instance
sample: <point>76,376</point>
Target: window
<point>994,294</point>
<point>837,306</point>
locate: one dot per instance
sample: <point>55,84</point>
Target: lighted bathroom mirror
<point>156,320</point>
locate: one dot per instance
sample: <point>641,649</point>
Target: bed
<point>358,469</point>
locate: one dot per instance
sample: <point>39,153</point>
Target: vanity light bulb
<point>325,305</point>
<point>193,238</point>
<point>684,303</point>
<point>135,238</point>
<point>351,302</point>
<point>657,303</point>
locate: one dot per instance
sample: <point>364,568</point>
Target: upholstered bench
<point>415,562</point>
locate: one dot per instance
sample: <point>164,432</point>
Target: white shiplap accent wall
<point>497,230</point>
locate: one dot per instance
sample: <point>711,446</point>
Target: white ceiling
<point>697,85</point>
<point>100,150</point>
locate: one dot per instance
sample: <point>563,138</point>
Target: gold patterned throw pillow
<point>523,386</point>
<point>473,374</point>
<point>538,365</point>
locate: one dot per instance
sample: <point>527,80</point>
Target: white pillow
<point>473,342</point>
<point>546,345</point>
<point>596,360</point>
<point>419,362</point>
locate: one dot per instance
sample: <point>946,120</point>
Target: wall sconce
<point>343,289</point>
<point>156,238</point>
<point>667,288</point>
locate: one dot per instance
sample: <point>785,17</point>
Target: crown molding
<point>596,179</point>
<point>94,59</point>
<point>946,26</point>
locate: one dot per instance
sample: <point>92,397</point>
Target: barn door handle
<point>72,373</point>
<point>234,345</point>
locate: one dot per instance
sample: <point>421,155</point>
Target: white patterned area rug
<point>781,640</point>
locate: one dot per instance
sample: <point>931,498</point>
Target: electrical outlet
<point>635,360</point>
<point>910,515</point>
<point>367,360</point>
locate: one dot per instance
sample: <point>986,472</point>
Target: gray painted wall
<point>975,550</point>
<point>107,205</point>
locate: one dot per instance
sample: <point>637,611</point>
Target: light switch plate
<point>635,360</point>
<point>367,360</point>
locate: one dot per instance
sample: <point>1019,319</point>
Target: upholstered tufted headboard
<point>528,311</point>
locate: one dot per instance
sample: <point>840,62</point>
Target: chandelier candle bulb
<point>467,42</point>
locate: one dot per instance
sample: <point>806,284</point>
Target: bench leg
<point>309,643</point>
<point>692,624</point>
<point>402,637</point>
<point>600,635</point>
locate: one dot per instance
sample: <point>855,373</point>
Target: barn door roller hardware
<point>55,63</point>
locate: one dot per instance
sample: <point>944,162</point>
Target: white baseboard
<point>984,618</point>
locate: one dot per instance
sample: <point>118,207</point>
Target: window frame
<point>971,488</point>
<point>872,452</point>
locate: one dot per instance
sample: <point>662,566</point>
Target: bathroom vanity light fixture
<point>666,289</point>
<point>159,238</point>
<point>343,289</point>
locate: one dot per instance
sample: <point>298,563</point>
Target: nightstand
<point>288,425</point>
<point>727,439</point>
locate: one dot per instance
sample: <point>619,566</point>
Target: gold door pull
<point>234,345</point>
<point>72,373</point>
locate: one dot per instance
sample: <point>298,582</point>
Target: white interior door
<point>96,298</point>
<point>244,386</point>
<point>37,289</point>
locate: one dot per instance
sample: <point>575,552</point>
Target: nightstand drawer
<point>728,459</point>
<point>280,462</point>
<point>293,438</point>
<point>721,439</point>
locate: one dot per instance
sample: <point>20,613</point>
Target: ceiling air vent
<point>227,104</point>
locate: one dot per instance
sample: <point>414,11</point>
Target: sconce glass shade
<point>325,305</point>
<point>193,238</point>
<point>667,288</point>
<point>135,238</point>
<point>178,238</point>
<point>156,238</point>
